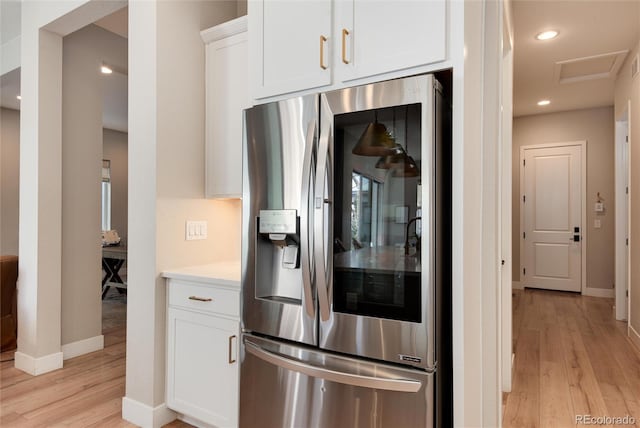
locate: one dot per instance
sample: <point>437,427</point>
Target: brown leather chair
<point>8,303</point>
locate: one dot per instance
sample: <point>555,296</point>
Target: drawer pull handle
<point>231,359</point>
<point>345,33</point>
<point>200,299</point>
<point>323,39</point>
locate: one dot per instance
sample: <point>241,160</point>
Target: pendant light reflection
<point>398,161</point>
<point>375,141</point>
<point>389,161</point>
<point>408,169</point>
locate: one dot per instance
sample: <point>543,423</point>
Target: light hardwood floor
<point>87,392</point>
<point>571,358</point>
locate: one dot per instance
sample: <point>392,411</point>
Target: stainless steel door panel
<point>284,385</point>
<point>380,338</point>
<point>278,168</point>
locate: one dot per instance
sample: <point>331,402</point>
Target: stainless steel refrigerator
<point>342,257</point>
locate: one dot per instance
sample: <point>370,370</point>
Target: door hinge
<point>626,138</point>
<point>627,293</point>
<point>627,242</point>
<point>524,162</point>
<point>524,235</point>
<point>524,271</point>
<point>524,198</point>
<point>626,190</point>
<point>502,263</point>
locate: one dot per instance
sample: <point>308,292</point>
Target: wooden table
<point>113,257</point>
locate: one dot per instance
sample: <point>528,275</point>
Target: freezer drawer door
<point>284,385</point>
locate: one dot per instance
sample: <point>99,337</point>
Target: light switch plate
<point>597,223</point>
<point>195,230</point>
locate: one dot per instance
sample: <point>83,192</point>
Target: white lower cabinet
<point>202,361</point>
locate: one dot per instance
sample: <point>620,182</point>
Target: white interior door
<point>551,198</point>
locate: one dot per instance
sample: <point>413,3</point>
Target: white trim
<point>634,336</point>
<point>517,285</point>
<point>506,209</point>
<point>37,366</point>
<point>146,416</point>
<point>195,422</point>
<point>622,216</point>
<point>609,293</point>
<point>224,30</point>
<point>583,196</point>
<point>81,347</point>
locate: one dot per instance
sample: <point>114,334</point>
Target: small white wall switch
<point>597,223</point>
<point>599,207</point>
<point>195,230</point>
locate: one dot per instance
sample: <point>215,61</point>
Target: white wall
<point>115,148</point>
<point>596,126</point>
<point>40,230</point>
<point>627,90</point>
<point>9,180</point>
<point>166,181</point>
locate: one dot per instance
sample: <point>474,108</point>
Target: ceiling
<point>115,90</point>
<point>587,29</point>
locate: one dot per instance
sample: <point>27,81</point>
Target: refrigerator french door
<point>341,257</point>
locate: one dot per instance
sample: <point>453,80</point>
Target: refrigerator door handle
<point>305,232</point>
<point>387,384</point>
<point>318,222</point>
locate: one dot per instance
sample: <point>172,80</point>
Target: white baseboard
<point>37,366</point>
<point>634,336</point>
<point>81,347</point>
<point>599,292</point>
<point>516,285</point>
<point>146,416</point>
<point>194,422</point>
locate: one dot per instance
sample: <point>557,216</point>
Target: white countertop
<point>222,273</point>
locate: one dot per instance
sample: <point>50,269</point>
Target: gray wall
<point>9,180</point>
<point>82,100</point>
<point>596,126</point>
<point>114,148</point>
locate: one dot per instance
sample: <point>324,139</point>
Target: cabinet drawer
<point>202,297</point>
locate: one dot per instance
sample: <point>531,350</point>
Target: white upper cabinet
<point>327,44</point>
<point>290,45</point>
<point>227,94</point>
<point>377,37</point>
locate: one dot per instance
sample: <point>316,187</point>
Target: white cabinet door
<point>202,364</point>
<point>290,45</point>
<point>388,36</point>
<point>227,95</point>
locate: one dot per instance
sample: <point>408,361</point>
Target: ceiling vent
<point>634,67</point>
<point>604,66</point>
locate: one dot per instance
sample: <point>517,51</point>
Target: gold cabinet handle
<point>231,359</point>
<point>345,33</point>
<point>323,39</point>
<point>200,299</point>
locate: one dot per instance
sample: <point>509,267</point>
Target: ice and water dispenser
<point>278,273</point>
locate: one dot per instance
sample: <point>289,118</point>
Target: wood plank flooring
<point>87,392</point>
<point>571,358</point>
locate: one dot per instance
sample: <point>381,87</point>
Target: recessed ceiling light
<point>544,102</point>
<point>19,97</point>
<point>106,70</point>
<point>546,35</point>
